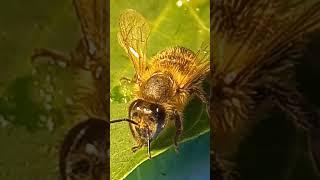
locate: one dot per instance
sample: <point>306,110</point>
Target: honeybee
<point>163,86</point>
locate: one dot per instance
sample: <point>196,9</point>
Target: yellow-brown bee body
<point>170,77</point>
<point>162,87</point>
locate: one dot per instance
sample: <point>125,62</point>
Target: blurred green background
<point>33,98</point>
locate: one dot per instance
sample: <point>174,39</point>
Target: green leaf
<point>170,165</point>
<point>171,25</point>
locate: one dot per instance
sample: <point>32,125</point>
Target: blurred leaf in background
<point>270,144</point>
<point>182,22</point>
<point>276,149</point>
<point>33,98</point>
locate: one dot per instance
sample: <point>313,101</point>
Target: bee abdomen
<point>178,57</point>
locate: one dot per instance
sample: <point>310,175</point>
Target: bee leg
<point>58,57</point>
<point>199,92</point>
<point>125,80</point>
<point>136,148</point>
<point>201,95</point>
<point>179,127</point>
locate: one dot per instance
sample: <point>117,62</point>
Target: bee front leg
<point>178,119</point>
<point>137,147</point>
<point>59,58</point>
<point>125,80</point>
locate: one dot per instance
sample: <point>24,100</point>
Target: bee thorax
<point>157,88</point>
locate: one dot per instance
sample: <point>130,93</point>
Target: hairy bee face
<point>150,118</point>
<point>83,155</point>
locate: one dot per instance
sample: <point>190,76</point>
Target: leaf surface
<point>171,25</point>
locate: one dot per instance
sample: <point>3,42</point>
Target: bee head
<point>146,121</point>
<point>150,119</point>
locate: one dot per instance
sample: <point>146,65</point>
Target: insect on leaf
<point>164,25</point>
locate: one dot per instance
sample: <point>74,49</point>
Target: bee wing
<point>133,37</point>
<point>203,54</point>
<point>202,64</point>
<point>92,15</point>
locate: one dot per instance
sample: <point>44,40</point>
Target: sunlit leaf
<point>171,24</point>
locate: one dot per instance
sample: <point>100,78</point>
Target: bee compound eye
<point>134,114</point>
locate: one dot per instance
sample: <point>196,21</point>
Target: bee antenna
<point>124,119</point>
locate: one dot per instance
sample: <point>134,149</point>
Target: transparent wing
<point>133,37</point>
<point>202,64</point>
<point>203,54</point>
<point>93,19</point>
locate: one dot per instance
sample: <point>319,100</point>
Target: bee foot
<point>135,148</point>
<point>176,148</point>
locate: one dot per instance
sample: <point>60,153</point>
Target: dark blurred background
<point>276,149</point>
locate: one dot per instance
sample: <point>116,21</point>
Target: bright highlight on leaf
<point>179,3</point>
